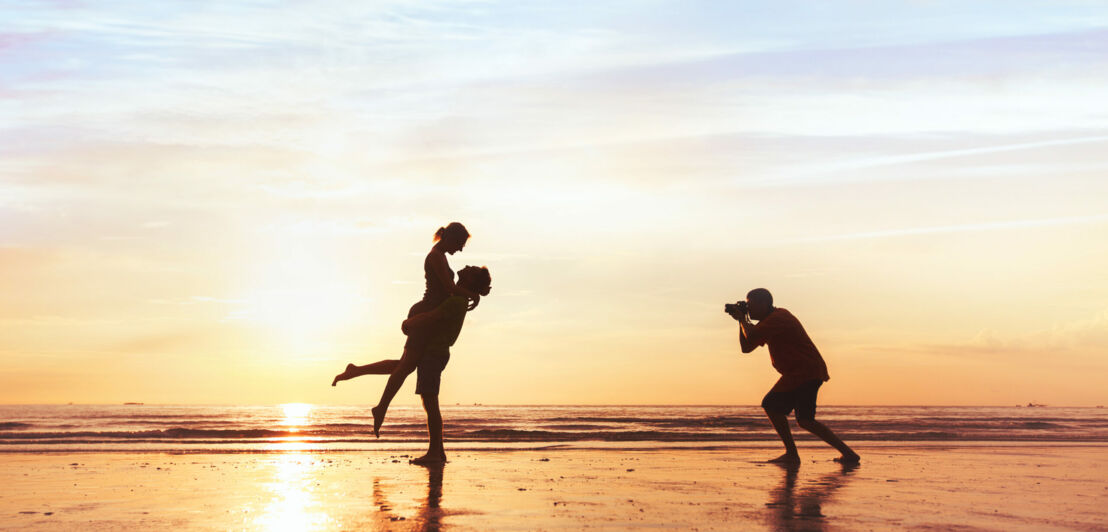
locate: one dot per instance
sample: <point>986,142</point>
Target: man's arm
<point>441,269</point>
<point>423,320</point>
<point>746,335</point>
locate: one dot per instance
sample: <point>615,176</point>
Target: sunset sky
<point>227,202</point>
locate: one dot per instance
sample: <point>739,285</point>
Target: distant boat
<point>142,403</point>
<point>1034,405</point>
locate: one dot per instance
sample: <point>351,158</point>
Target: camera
<point>737,308</point>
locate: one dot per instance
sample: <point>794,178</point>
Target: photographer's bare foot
<point>378,419</point>
<point>429,460</point>
<point>787,459</point>
<point>852,458</point>
<point>344,375</point>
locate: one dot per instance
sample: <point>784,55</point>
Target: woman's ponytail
<point>454,230</point>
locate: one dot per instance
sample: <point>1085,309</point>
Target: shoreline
<point>415,445</point>
<point>1011,487</point>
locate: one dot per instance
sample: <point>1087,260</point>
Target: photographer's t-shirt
<point>792,352</point>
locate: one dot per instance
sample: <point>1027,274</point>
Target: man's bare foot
<point>344,375</point>
<point>378,419</point>
<point>429,460</point>
<point>787,459</point>
<point>852,458</point>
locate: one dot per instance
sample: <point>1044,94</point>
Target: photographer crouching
<point>798,361</point>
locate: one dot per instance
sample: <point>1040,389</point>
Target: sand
<point>965,487</point>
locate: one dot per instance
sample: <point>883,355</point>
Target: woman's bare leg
<point>404,368</point>
<point>382,367</point>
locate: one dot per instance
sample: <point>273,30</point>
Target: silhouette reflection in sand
<point>430,514</point>
<point>803,510</point>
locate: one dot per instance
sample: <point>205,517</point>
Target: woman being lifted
<point>440,285</point>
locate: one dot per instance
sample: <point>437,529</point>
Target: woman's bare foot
<point>429,459</point>
<point>852,458</point>
<point>378,419</point>
<point>787,458</point>
<point>344,375</point>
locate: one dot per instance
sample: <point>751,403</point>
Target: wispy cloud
<point>962,228</point>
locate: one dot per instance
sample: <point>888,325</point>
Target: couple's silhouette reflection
<point>803,510</point>
<point>790,509</point>
<point>430,512</point>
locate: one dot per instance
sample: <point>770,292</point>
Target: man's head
<point>476,279</point>
<point>760,303</point>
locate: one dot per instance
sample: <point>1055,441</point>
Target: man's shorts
<point>429,373</point>
<point>802,399</point>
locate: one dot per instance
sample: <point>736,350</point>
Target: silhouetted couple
<point>433,325</point>
<point>802,370</point>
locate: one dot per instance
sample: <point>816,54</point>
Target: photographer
<point>798,361</point>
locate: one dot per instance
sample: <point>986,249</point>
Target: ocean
<point>192,428</point>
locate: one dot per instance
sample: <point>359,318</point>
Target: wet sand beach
<point>925,487</point>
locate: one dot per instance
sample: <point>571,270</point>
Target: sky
<point>227,202</point>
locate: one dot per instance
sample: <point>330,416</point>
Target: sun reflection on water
<point>296,414</point>
<point>293,502</point>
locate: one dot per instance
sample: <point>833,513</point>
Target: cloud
<point>988,226</point>
<point>1078,342</point>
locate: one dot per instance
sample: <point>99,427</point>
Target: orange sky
<point>228,207</point>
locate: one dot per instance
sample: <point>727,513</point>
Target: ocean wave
<point>249,426</point>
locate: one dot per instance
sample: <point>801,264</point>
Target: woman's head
<point>452,237</point>
<point>476,279</point>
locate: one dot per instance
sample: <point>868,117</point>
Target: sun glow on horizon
<point>302,302</point>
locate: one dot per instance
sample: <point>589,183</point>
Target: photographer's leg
<point>777,406</point>
<point>825,434</point>
<point>781,425</point>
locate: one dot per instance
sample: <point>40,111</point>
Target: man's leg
<point>777,406</point>
<point>825,434</point>
<point>781,425</point>
<point>436,454</point>
<point>806,418</point>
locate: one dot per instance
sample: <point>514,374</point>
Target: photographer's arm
<point>746,335</point>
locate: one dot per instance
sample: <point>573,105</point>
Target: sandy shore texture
<point>1026,487</point>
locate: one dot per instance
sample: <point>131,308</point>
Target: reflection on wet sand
<point>803,510</point>
<point>430,513</point>
<point>294,504</point>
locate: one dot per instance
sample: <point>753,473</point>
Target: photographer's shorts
<point>802,399</point>
<point>429,372</point>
